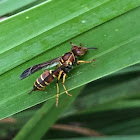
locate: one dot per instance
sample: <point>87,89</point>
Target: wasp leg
<point>57,97</point>
<point>82,61</point>
<point>64,76</point>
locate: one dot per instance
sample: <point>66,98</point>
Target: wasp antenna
<point>80,44</point>
<point>92,48</point>
<point>31,91</point>
<point>71,44</point>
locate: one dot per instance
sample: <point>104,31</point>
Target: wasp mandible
<point>63,65</point>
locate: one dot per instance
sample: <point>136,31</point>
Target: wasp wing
<point>47,64</point>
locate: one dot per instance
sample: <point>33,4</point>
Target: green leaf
<point>109,93</point>
<point>128,70</point>
<point>116,122</point>
<point>37,32</point>
<point>34,35</point>
<point>41,24</point>
<point>116,82</point>
<point>9,6</point>
<point>107,138</point>
<point>111,89</point>
<point>32,129</point>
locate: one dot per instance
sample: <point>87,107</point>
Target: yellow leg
<point>64,76</point>
<point>82,61</point>
<point>57,97</point>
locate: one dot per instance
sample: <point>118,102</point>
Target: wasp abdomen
<point>43,80</point>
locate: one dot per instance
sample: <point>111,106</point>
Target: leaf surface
<point>112,38</point>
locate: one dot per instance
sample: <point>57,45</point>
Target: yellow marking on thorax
<point>71,56</point>
<point>68,61</point>
<point>60,63</point>
<point>62,60</point>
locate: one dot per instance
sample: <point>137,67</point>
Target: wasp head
<point>79,50</point>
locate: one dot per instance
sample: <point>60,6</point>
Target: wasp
<point>63,65</point>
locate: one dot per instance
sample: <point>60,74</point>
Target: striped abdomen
<point>42,81</point>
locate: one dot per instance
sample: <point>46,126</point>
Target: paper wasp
<point>63,65</point>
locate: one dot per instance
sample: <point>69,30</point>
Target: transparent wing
<point>32,69</point>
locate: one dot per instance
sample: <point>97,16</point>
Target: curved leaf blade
<point>115,52</point>
<point>38,38</point>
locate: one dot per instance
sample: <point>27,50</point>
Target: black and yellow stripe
<point>61,61</point>
<point>36,85</point>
